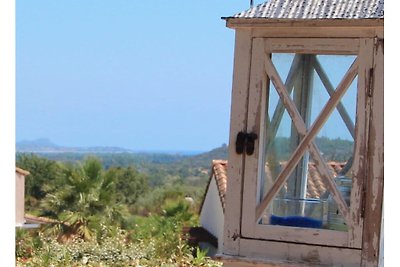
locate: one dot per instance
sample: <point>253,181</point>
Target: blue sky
<point>145,75</point>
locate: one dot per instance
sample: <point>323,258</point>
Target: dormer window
<point>296,101</point>
<point>306,143</point>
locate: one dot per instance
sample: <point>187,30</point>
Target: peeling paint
<point>235,236</point>
<point>312,256</point>
<point>364,232</point>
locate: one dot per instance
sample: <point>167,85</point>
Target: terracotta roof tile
<point>315,187</point>
<point>42,220</point>
<point>21,171</point>
<point>219,171</point>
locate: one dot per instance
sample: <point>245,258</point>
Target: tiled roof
<point>316,9</point>
<point>219,171</point>
<point>42,220</point>
<point>315,186</point>
<point>21,171</point>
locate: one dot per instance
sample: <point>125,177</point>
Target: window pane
<point>303,199</point>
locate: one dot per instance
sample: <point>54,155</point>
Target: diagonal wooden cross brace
<point>330,89</point>
<point>307,141</point>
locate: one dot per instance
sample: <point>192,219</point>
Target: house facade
<point>20,196</point>
<point>213,206</point>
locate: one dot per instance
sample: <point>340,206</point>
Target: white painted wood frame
<point>307,137</point>
<point>367,171</point>
<point>372,233</point>
<point>313,255</point>
<point>261,64</point>
<point>238,121</point>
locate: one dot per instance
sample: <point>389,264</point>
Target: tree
<point>43,175</point>
<point>130,184</point>
<point>86,200</point>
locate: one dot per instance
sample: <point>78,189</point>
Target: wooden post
<point>374,184</point>
<point>240,85</point>
<point>302,96</point>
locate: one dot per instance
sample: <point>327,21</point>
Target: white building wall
<point>212,214</point>
<point>19,199</point>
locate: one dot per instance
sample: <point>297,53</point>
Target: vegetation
<point>107,216</point>
<point>332,149</point>
<point>120,209</point>
<point>155,241</point>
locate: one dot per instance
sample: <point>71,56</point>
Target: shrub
<point>155,241</point>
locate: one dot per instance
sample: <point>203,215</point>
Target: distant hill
<point>44,145</point>
<point>166,167</point>
<point>161,167</point>
<point>41,142</point>
<point>332,150</point>
<point>204,159</point>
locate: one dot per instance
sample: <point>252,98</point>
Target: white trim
<point>233,208</point>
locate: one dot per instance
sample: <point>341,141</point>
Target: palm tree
<point>85,201</point>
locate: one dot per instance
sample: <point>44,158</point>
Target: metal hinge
<point>245,141</point>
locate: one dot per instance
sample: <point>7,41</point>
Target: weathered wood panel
<point>240,84</point>
<point>314,45</point>
<point>375,177</point>
<point>230,261</point>
<point>317,32</point>
<point>257,85</point>
<point>258,231</point>
<point>246,114</point>
<point>301,235</point>
<point>359,174</point>
<point>300,253</point>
